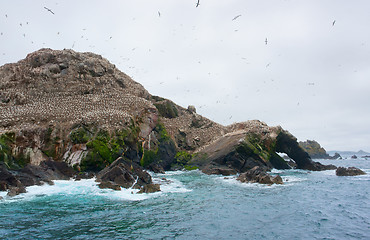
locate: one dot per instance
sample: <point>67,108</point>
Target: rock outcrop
<point>315,151</point>
<point>61,110</point>
<point>259,175</point>
<point>15,181</point>
<point>253,144</point>
<point>350,171</point>
<point>123,173</point>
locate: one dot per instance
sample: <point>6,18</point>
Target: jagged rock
<point>259,175</point>
<point>125,174</point>
<point>350,171</point>
<point>150,188</point>
<point>156,168</point>
<point>354,157</point>
<point>336,156</point>
<point>1,198</point>
<point>253,144</point>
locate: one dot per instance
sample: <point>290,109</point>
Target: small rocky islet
<point>65,114</point>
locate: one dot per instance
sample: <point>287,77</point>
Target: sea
<point>192,205</point>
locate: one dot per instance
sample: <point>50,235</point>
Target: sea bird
<point>266,41</point>
<point>49,10</point>
<point>333,23</point>
<point>236,17</point>
<point>159,13</point>
<point>197,4</point>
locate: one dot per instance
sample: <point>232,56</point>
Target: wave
<point>88,187</point>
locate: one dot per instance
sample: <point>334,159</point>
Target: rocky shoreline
<point>65,114</point>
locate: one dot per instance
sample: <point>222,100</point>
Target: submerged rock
<point>150,188</point>
<point>109,185</point>
<point>13,191</point>
<point>350,171</point>
<point>259,175</point>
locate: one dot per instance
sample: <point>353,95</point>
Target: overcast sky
<point>312,77</point>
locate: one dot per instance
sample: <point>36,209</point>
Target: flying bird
<point>159,13</point>
<point>49,10</point>
<point>333,22</point>
<point>197,4</point>
<point>266,41</point>
<point>236,17</point>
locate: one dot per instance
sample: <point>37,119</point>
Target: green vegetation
<point>149,157</point>
<point>264,150</point>
<point>190,168</point>
<point>79,135</point>
<point>167,109</point>
<point>103,150</point>
<point>6,155</point>
<point>161,130</point>
<point>182,158</point>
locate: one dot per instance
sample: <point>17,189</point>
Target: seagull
<point>49,10</point>
<point>333,22</point>
<point>197,4</point>
<point>266,41</point>
<point>236,17</point>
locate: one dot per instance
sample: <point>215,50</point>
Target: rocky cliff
<point>79,109</point>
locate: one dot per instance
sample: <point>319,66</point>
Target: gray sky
<point>312,77</point>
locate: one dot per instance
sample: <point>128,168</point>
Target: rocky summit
<point>68,114</point>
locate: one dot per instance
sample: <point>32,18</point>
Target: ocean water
<point>192,205</point>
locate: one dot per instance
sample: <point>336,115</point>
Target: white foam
<point>171,185</point>
<point>171,173</point>
<point>90,187</point>
<point>231,180</point>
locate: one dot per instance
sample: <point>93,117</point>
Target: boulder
<point>259,175</point>
<point>13,191</point>
<point>109,185</point>
<point>350,171</point>
<point>150,188</point>
<point>124,173</point>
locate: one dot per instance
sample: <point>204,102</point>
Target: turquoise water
<point>310,205</point>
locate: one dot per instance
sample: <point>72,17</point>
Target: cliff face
<point>80,109</point>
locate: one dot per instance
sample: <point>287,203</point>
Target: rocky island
<point>67,114</point>
<point>315,150</point>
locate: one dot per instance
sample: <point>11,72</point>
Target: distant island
<point>314,149</point>
<point>67,114</point>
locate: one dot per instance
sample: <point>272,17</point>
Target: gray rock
<point>150,188</point>
<point>350,171</point>
<point>259,175</point>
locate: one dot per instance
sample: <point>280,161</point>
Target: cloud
<point>312,77</point>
